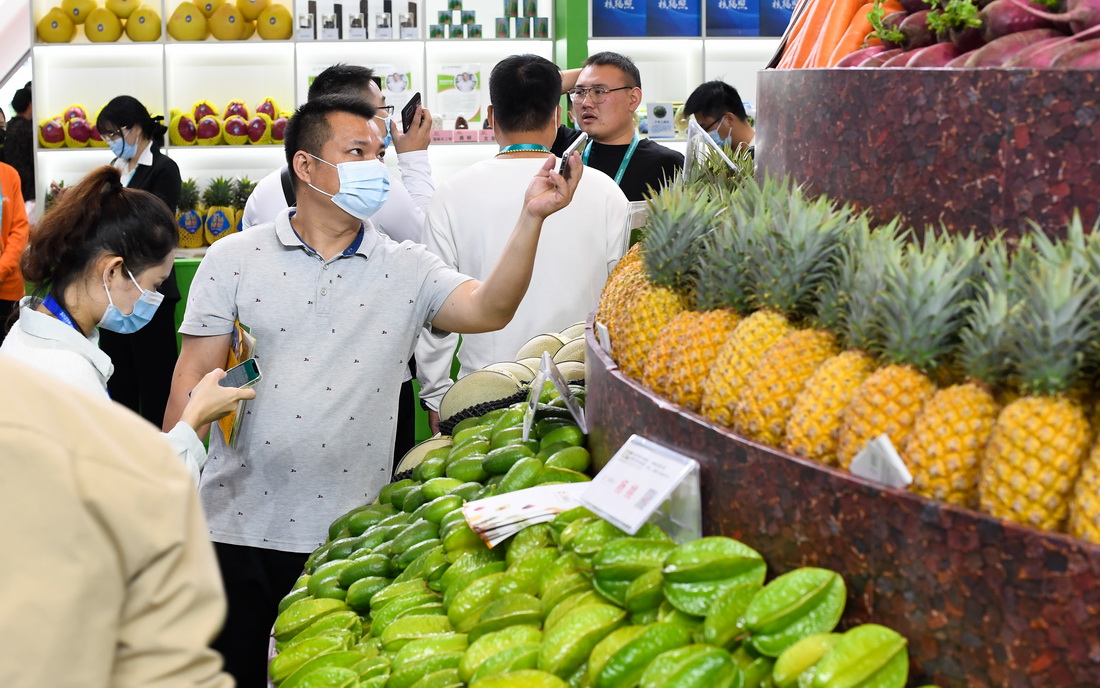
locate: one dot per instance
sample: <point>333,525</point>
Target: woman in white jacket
<point>96,260</point>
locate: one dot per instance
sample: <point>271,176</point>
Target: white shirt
<point>470,220</point>
<point>146,158</point>
<point>401,217</point>
<point>50,346</point>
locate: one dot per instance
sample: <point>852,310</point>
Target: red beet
<point>880,58</point>
<point>937,55</point>
<point>917,33</point>
<point>1080,14</point>
<point>901,60</point>
<point>1039,55</point>
<point>967,39</point>
<point>1005,48</point>
<point>959,62</point>
<point>1078,56</point>
<point>854,59</point>
<point>892,21</point>
<point>1002,17</point>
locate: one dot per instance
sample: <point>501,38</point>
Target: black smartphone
<point>408,111</point>
<point>577,144</point>
<point>244,375</point>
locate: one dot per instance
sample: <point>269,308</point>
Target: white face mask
<point>364,187</point>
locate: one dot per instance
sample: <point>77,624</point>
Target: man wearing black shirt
<point>607,92</point>
<point>19,144</point>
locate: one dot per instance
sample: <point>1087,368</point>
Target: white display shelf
<point>229,71</point>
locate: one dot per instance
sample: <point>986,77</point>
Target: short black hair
<point>127,111</point>
<point>308,130</point>
<point>524,91</point>
<point>342,78</point>
<point>21,99</point>
<point>714,99</point>
<point>622,62</point>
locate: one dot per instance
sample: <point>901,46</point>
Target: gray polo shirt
<point>333,339</point>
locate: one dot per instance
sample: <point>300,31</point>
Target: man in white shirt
<point>469,225</point>
<point>402,217</point>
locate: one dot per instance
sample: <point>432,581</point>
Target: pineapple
<point>678,218</point>
<point>945,448</point>
<point>775,284</point>
<point>1084,519</point>
<point>814,423</point>
<point>681,358</point>
<point>189,217</point>
<point>1041,440</point>
<point>925,298</point>
<point>242,189</point>
<point>220,216</point>
<point>622,280</point>
<point>798,263</point>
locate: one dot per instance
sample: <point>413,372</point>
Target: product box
<point>436,31</point>
<point>330,19</point>
<point>530,8</point>
<point>673,18</point>
<point>443,136</point>
<point>454,5</point>
<point>502,28</point>
<point>383,22</point>
<point>445,17</point>
<point>774,16</point>
<point>618,18</point>
<point>486,135</point>
<point>409,23</point>
<point>469,17</point>
<point>659,119</point>
<point>473,31</point>
<point>511,8</point>
<point>357,24</point>
<point>732,18</point>
<point>523,27</point>
<point>307,21</point>
<point>466,135</point>
<point>542,27</point>
<point>457,31</point>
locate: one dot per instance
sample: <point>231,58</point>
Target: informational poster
<point>619,18</point>
<point>673,18</point>
<point>396,85</point>
<point>774,16</point>
<point>734,17</point>
<point>459,91</point>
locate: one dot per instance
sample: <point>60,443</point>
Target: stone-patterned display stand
<point>984,603</point>
<point>986,148</point>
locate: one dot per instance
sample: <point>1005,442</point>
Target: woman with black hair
<point>95,262</point>
<point>144,360</point>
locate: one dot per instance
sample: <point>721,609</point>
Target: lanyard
<point>51,304</point>
<point>524,147</point>
<point>626,158</point>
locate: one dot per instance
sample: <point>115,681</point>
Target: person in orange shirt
<point>14,229</point>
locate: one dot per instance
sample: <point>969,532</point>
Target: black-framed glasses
<point>598,94</point>
<point>713,124</point>
<point>113,134</point>
<point>388,109</point>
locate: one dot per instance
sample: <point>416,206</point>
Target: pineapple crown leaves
<point>713,172</point>
<point>982,351</point>
<point>834,294</point>
<point>219,192</point>
<point>796,254</point>
<point>861,300</point>
<point>720,280</point>
<point>679,217</point>
<point>925,301</point>
<point>189,195</point>
<point>1048,335</point>
<point>242,189</point>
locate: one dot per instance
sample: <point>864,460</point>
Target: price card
<point>554,374</point>
<point>532,403</point>
<point>880,462</point>
<point>604,337</point>
<point>499,517</point>
<point>637,481</point>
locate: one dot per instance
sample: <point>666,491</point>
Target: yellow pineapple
<point>924,305</point>
<point>945,448</point>
<point>624,277</point>
<point>678,218</point>
<point>189,217</point>
<point>681,358</point>
<point>798,262</point>
<point>814,421</point>
<point>1041,440</point>
<point>1084,521</point>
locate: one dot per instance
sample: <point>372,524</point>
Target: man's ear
<point>301,166</point>
<point>635,98</point>
<point>557,117</point>
<point>489,116</point>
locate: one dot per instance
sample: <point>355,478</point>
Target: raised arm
<point>198,356</point>
<point>487,306</point>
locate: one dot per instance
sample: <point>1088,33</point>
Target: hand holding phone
<point>408,112</point>
<point>244,375</point>
<point>577,144</point>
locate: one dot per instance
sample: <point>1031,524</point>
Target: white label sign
<point>554,374</point>
<point>533,395</point>
<point>880,462</point>
<point>604,337</point>
<point>637,480</point>
<point>499,517</point>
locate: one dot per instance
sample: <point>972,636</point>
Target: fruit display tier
<point>984,603</point>
<point>988,148</point>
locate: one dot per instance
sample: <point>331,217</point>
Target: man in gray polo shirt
<point>336,309</point>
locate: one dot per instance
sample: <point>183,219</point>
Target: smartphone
<point>408,111</point>
<point>577,144</point>
<point>244,375</point>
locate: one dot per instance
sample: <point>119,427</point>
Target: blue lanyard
<point>51,304</point>
<point>626,158</point>
<point>524,147</point>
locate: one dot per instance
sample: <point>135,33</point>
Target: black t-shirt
<point>651,165</point>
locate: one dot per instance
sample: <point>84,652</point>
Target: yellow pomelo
<point>102,26</point>
<point>78,10</point>
<point>143,25</point>
<point>187,23</point>
<point>56,27</point>
<point>274,23</point>
<point>226,23</point>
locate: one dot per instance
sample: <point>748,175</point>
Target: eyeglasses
<point>715,123</point>
<point>113,134</point>
<point>388,109</point>
<point>577,95</point>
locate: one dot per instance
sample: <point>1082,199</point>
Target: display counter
<point>983,602</point>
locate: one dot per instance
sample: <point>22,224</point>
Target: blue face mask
<point>146,305</point>
<point>364,186</point>
<point>728,140</point>
<point>389,137</point>
<point>121,149</point>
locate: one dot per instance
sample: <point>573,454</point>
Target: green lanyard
<point>524,147</point>
<point>626,158</point>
